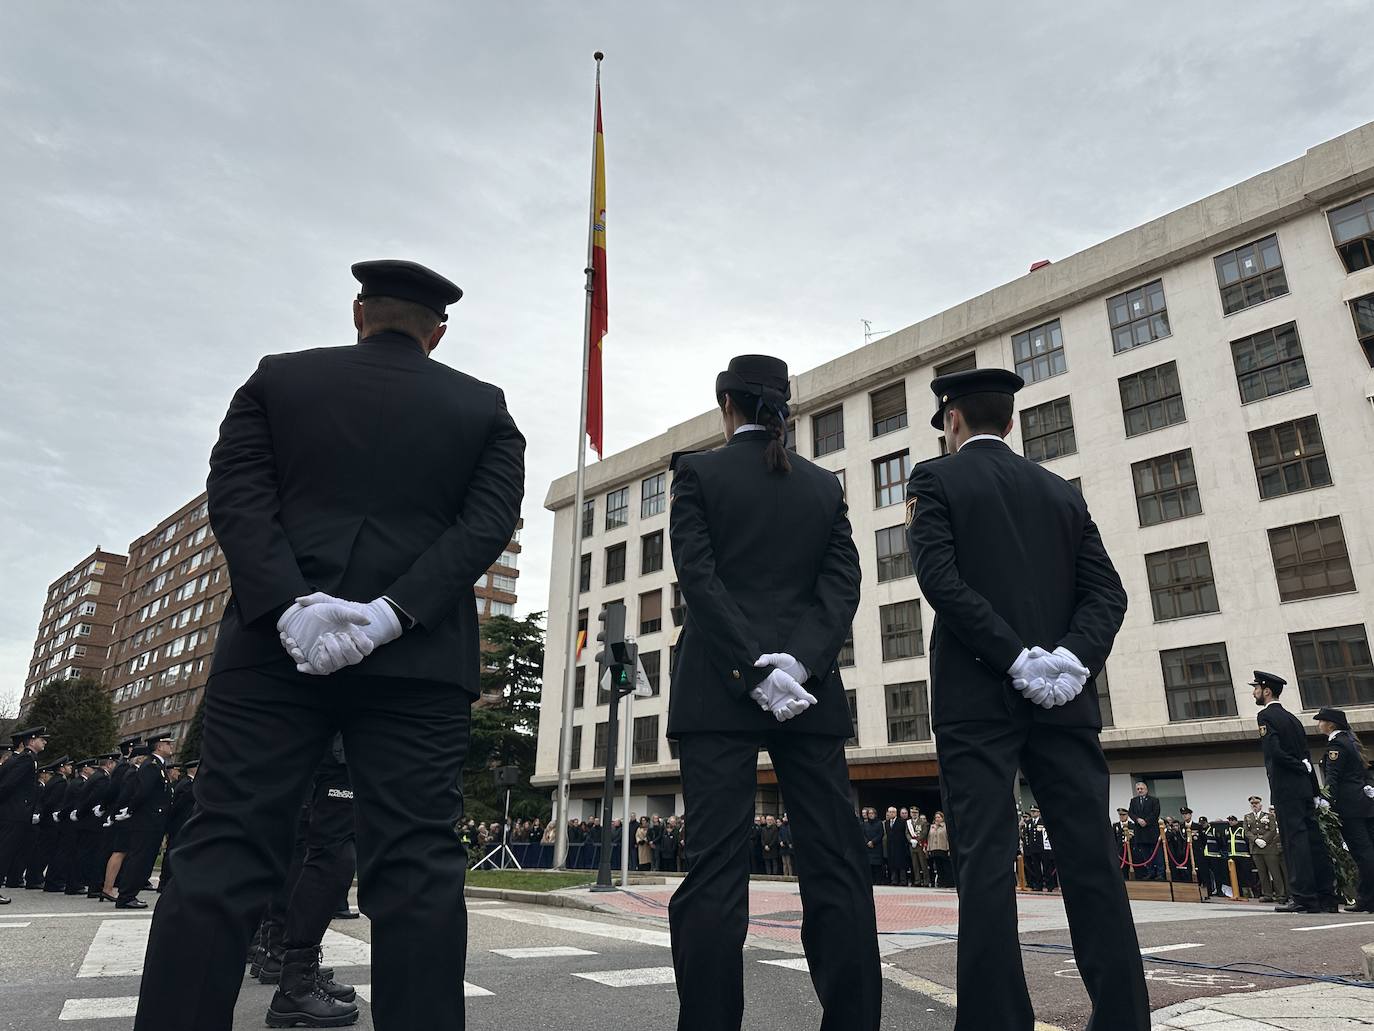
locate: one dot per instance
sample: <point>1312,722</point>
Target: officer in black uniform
<point>115,837</point>
<point>49,811</point>
<point>95,812</point>
<point>148,809</point>
<point>1027,605</point>
<point>1352,796</point>
<point>18,792</point>
<point>25,870</point>
<point>1293,790</point>
<point>770,575</point>
<point>183,804</point>
<point>357,493</point>
<point>66,864</point>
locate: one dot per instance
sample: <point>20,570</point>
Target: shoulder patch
<point>1334,754</point>
<point>1264,729</point>
<point>910,510</point>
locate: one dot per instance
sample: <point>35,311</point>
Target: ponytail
<point>773,418</point>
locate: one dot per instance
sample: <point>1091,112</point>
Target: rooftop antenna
<point>869,331</point>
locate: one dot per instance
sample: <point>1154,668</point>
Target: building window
<point>600,749</point>
<point>618,508</point>
<point>1039,352</point>
<point>1181,582</point>
<point>1289,457</point>
<point>894,560</point>
<point>901,630</point>
<point>653,496</point>
<point>584,574</point>
<point>1166,488</point>
<point>846,656</point>
<point>827,431</point>
<point>1251,274</point>
<point>1362,311</point>
<point>1352,230</point>
<point>888,407</point>
<point>651,612</point>
<point>1104,697</point>
<point>1333,666</point>
<point>908,712</point>
<point>651,552</point>
<point>1310,559</point>
<point>1197,682</point>
<point>653,664</point>
<point>889,479</point>
<point>1047,431</point>
<point>579,686</point>
<point>576,748</point>
<point>1138,316</point>
<point>645,739</point>
<point>615,564</point>
<point>1152,399</point>
<point>1269,363</point>
<point>588,517</point>
<point>964,363</point>
<point>852,700</point>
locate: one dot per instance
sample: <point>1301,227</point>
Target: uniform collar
<point>981,437</point>
<point>1332,736</point>
<point>1270,705</point>
<point>389,336</point>
<point>750,432</point>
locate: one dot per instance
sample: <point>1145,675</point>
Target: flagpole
<point>575,562</point>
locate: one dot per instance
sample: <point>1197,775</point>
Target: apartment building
<point>74,632</point>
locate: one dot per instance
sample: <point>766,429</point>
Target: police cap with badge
<point>406,281</point>
<point>1272,681</point>
<point>20,737</point>
<point>973,381</point>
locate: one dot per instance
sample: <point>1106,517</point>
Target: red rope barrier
<point>1137,866</point>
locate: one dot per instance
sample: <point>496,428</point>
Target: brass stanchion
<point>1235,884</point>
<point>1020,872</point>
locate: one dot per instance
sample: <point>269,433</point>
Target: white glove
<point>99,810</point>
<point>787,664</point>
<point>1322,803</point>
<point>56,817</point>
<point>1307,765</point>
<point>122,815</point>
<point>781,695</point>
<point>1037,673</point>
<point>1259,843</point>
<point>72,817</point>
<point>35,818</point>
<point>315,617</point>
<point>1369,791</point>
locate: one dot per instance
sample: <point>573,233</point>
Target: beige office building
<point>1206,381</point>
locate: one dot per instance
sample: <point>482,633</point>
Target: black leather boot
<point>300,1001</point>
<point>324,977</point>
<point>267,966</point>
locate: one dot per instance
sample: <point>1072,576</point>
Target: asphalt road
<point>68,955</point>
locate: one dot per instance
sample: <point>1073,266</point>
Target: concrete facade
<point>1194,758</point>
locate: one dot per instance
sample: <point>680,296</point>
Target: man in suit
<point>148,809</point>
<point>1144,812</point>
<point>18,793</point>
<point>1352,796</point>
<point>357,492</point>
<point>1027,605</point>
<point>770,575</point>
<point>1293,788</point>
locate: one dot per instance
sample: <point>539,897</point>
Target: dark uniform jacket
<point>1346,775</point>
<point>364,471</point>
<point>183,802</point>
<point>766,563</point>
<point>75,800</point>
<point>95,794</point>
<point>18,788</point>
<point>54,801</point>
<point>1146,809</point>
<point>1008,558</point>
<point>151,799</point>
<point>1285,747</point>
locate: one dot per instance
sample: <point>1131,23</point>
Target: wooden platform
<point>1164,891</point>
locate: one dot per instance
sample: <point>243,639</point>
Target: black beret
<point>1332,715</point>
<point>974,381</point>
<point>408,281</point>
<point>758,374</point>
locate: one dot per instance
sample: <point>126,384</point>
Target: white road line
<point>24,924</point>
<point>98,1009</point>
<point>117,949</point>
<point>631,978</point>
<point>1332,927</point>
<point>470,991</point>
<point>642,935</point>
<point>542,952</point>
<point>342,950</point>
<point>787,964</point>
<point>471,903</point>
<point>107,913</point>
<point>1156,949</point>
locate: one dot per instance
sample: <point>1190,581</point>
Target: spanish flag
<point>598,320</point>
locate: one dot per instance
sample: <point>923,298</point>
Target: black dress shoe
<point>1359,909</point>
<point>1297,907</point>
<point>1329,906</point>
<point>131,904</point>
<point>108,898</point>
<point>346,914</point>
<point>95,894</point>
<point>4,901</point>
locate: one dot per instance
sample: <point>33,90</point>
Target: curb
<point>533,898</point>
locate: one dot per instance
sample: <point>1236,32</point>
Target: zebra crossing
<point>117,945</point>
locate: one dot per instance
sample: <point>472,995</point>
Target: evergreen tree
<point>505,722</point>
<point>78,715</point>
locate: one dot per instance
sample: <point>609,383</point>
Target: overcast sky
<point>184,188</point>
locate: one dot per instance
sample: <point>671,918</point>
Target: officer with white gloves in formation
<point>1352,796</point>
<point>18,794</point>
<point>1027,606</point>
<point>770,577</point>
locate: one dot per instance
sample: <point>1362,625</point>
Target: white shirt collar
<point>749,427</point>
<point>1274,702</point>
<point>1332,736</point>
<point>981,436</point>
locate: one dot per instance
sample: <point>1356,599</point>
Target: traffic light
<point>623,672</point>
<point>611,636</point>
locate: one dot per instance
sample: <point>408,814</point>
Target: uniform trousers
<point>1311,877</point>
<point>265,732</point>
<point>44,850</point>
<point>1271,879</point>
<point>14,852</point>
<point>323,862</point>
<point>62,869</point>
<point>1068,774</point>
<point>920,870</point>
<point>1359,838</point>
<point>144,844</point>
<point>90,855</point>
<point>709,913</point>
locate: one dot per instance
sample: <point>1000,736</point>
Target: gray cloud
<point>186,186</point>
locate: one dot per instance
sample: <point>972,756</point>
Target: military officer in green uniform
<point>1262,832</point>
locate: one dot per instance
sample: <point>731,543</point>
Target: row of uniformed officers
<point>91,826</point>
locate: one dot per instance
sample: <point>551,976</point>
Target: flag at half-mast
<point>598,324</point>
